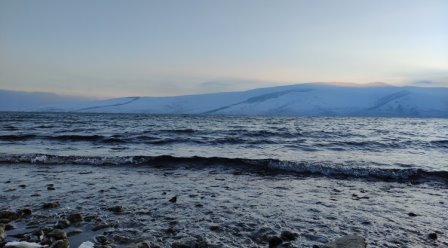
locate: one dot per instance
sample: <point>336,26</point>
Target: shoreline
<point>218,206</point>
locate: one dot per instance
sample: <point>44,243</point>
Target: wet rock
<point>2,232</point>
<point>432,236</point>
<point>274,241</point>
<point>100,226</point>
<point>215,228</point>
<point>57,234</point>
<point>50,205</point>
<point>22,186</point>
<point>7,216</point>
<point>9,227</point>
<point>60,244</point>
<point>25,212</point>
<point>39,234</point>
<point>51,188</point>
<point>86,244</point>
<point>116,209</point>
<point>348,241</point>
<point>35,194</point>
<point>262,235</point>
<point>61,224</point>
<point>22,244</point>
<point>288,236</point>
<point>121,239</point>
<point>74,232</point>
<point>411,214</point>
<point>101,239</point>
<point>75,218</point>
<point>174,199</point>
<point>171,230</point>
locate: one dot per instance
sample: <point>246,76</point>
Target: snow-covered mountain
<point>32,101</point>
<point>302,99</point>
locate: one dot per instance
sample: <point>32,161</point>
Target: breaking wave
<point>305,168</point>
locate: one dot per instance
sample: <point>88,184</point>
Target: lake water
<point>355,147</point>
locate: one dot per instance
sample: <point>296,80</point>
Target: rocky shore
<point>182,207</point>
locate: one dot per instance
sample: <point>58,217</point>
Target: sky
<point>109,48</point>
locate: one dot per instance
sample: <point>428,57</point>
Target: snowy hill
<point>301,99</point>
<point>29,101</point>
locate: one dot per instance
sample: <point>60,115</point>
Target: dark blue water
<point>356,147</point>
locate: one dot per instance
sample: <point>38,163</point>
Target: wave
<point>305,168</point>
<point>73,137</point>
<point>440,143</point>
<point>17,137</point>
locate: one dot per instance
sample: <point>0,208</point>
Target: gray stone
<point>60,244</point>
<point>348,241</point>
<point>50,205</point>
<point>75,218</point>
<point>288,235</point>
<point>57,234</point>
<point>101,239</point>
<point>61,224</point>
<point>2,232</point>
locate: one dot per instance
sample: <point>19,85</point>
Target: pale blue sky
<point>121,48</point>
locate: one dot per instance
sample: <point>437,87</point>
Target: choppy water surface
<point>238,180</point>
<point>394,147</point>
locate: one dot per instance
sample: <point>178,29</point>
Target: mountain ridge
<point>311,99</point>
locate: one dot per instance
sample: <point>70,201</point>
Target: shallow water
<point>244,206</point>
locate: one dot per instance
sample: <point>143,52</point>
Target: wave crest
<point>306,168</point>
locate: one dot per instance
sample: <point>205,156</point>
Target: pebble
<point>432,236</point>
<point>101,239</point>
<point>288,236</point>
<point>174,199</point>
<point>75,218</point>
<point>9,227</point>
<point>8,215</point>
<point>215,228</point>
<point>61,224</point>
<point>2,232</point>
<point>412,214</point>
<point>116,209</point>
<point>60,244</point>
<point>50,205</point>
<point>57,234</point>
<point>274,241</point>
